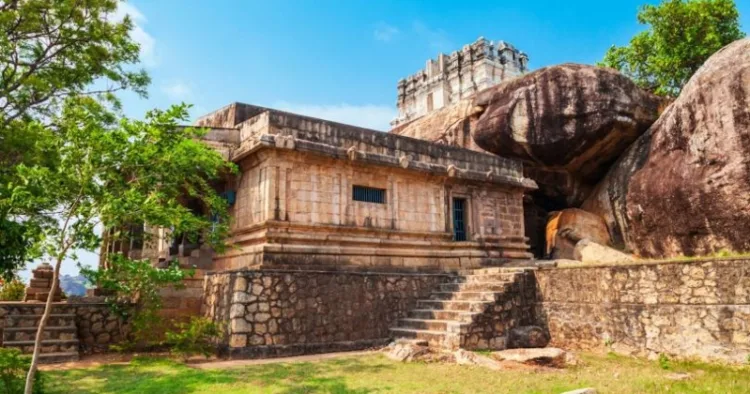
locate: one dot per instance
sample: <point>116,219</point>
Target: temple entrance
<point>459,219</point>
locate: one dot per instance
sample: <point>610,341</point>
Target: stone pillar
<point>41,284</point>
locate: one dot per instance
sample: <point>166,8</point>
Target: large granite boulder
<point>570,121</point>
<point>451,125</point>
<point>574,234</point>
<point>684,187</point>
<point>580,223</point>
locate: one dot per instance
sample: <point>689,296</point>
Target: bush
<point>133,288</point>
<point>194,337</point>
<point>663,361</point>
<point>12,291</point>
<point>13,369</point>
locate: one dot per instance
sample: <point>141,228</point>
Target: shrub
<point>134,288</point>
<point>13,368</point>
<point>12,290</point>
<point>194,337</point>
<point>663,361</point>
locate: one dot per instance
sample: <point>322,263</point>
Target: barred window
<point>368,194</point>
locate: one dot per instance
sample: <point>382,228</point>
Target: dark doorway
<point>459,219</point>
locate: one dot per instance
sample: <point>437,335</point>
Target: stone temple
<point>338,230</point>
<point>314,194</point>
<point>450,78</point>
<point>346,238</point>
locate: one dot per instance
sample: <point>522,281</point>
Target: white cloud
<point>370,116</point>
<point>436,38</point>
<point>138,34</point>
<point>178,91</point>
<point>385,32</point>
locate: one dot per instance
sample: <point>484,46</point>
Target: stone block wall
<point>279,312</point>
<point>98,327</point>
<point>294,208</point>
<point>304,189</point>
<point>184,302</point>
<point>686,309</point>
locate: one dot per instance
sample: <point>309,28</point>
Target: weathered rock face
<point>587,251</point>
<point>450,125</point>
<point>684,186</point>
<point>574,224</point>
<point>575,117</point>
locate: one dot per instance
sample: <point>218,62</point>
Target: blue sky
<point>340,60</point>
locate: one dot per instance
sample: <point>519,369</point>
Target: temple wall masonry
<point>294,202</point>
<point>300,189</point>
<point>686,309</point>
<point>277,312</point>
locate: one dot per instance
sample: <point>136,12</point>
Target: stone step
<point>48,346</point>
<point>426,324</point>
<point>29,333</point>
<point>53,358</point>
<point>413,342</point>
<point>433,338</point>
<point>493,270</point>
<point>466,306</point>
<point>437,314</point>
<point>497,286</point>
<point>56,319</point>
<point>464,295</point>
<point>485,278</point>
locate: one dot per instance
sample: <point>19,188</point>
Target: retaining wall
<point>279,312</point>
<point>695,309</point>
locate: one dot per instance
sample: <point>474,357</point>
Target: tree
<point>682,34</point>
<point>117,173</point>
<point>51,50</point>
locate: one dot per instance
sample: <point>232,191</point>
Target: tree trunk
<point>40,331</point>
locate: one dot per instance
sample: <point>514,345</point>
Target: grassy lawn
<point>377,374</point>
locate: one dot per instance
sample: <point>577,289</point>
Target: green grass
<point>376,374</point>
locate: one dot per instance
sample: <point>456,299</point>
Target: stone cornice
<point>407,162</point>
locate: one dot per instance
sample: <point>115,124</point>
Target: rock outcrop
<point>451,125</point>
<point>568,122</point>
<point>574,224</point>
<point>572,118</point>
<point>574,234</point>
<point>683,188</point>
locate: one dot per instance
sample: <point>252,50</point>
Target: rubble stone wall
<point>684,309</point>
<point>515,307</point>
<point>278,312</point>
<point>98,327</point>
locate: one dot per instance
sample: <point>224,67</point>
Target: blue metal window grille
<point>368,194</point>
<point>459,219</point>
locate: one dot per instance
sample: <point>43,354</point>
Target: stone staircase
<point>60,342</point>
<point>474,310</point>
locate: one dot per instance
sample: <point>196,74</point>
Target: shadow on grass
<point>167,377</point>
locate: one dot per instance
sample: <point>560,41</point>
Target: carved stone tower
<point>449,78</point>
